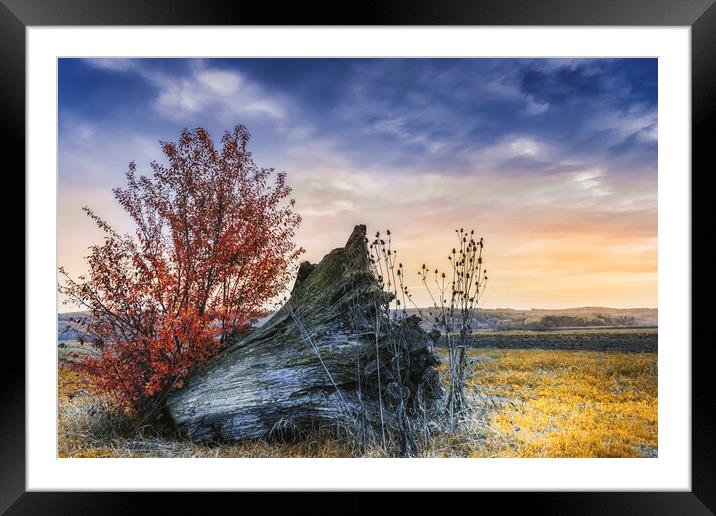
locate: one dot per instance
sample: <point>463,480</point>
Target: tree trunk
<point>332,355</point>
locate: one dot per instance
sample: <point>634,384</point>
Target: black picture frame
<point>700,15</point>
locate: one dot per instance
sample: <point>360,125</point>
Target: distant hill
<point>544,319</point>
<point>66,329</point>
<point>490,319</point>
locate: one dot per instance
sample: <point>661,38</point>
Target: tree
<point>213,244</point>
<point>344,367</point>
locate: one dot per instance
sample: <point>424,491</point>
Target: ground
<point>568,403</point>
<point>528,403</point>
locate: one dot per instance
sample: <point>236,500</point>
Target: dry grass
<point>528,403</point>
<point>569,403</point>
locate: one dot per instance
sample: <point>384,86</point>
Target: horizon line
<point>498,308</point>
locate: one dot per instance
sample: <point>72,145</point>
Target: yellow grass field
<point>570,403</point>
<point>529,403</point>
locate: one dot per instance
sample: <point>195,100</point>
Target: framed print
<point>257,253</point>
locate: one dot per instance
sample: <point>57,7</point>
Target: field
<point>528,403</point>
<point>569,403</point>
<point>579,339</point>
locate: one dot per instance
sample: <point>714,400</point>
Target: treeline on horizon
<point>501,319</point>
<point>498,319</point>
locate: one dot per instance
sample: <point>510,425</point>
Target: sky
<point>552,161</point>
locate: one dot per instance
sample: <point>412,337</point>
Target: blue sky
<point>553,160</point>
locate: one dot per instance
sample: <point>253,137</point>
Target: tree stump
<point>333,354</point>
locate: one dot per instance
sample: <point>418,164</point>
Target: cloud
<point>113,64</point>
<point>534,107</point>
<point>553,161</point>
<point>227,94</point>
<point>592,181</point>
<point>573,233</point>
<point>220,82</point>
<point>200,89</point>
<point>408,114</point>
<point>567,83</point>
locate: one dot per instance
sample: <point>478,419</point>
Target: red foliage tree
<point>213,244</point>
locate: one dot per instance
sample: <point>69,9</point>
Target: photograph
<point>263,257</point>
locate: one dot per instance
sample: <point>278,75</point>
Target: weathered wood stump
<point>329,355</point>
